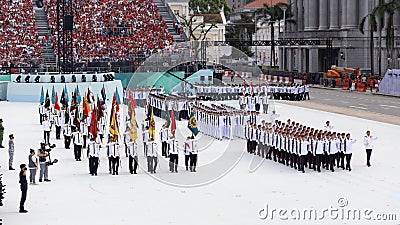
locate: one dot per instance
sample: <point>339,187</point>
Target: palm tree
<point>372,23</point>
<point>386,8</point>
<point>270,15</point>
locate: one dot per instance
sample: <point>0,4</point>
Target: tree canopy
<point>209,6</point>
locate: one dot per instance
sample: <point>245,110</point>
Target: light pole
<point>284,8</point>
<point>255,34</point>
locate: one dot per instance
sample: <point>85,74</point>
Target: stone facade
<point>338,20</point>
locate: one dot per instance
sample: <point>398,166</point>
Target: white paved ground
<point>74,197</point>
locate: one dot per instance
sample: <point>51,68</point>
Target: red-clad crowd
<point>19,40</point>
<point>114,29</point>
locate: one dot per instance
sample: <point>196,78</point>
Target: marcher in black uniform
<point>24,188</point>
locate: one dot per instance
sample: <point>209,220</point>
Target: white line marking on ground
<point>391,106</point>
<point>357,107</point>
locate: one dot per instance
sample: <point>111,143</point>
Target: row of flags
<point>98,111</point>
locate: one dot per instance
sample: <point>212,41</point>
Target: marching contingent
<point>84,123</point>
<point>293,92</point>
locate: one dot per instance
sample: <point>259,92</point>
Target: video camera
<point>47,148</point>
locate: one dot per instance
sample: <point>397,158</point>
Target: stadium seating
<point>19,42</point>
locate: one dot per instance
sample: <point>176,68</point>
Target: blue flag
<point>66,95</point>
<point>53,95</point>
<point>192,124</point>
<point>118,99</point>
<point>41,97</point>
<point>78,95</point>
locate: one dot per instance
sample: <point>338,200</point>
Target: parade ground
<point>248,191</point>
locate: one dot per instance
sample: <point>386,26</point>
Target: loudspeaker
<point>68,22</point>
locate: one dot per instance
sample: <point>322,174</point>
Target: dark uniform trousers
<point>110,161</point>
<point>187,157</point>
<point>115,165</point>
<point>173,162</point>
<point>318,160</point>
<point>24,190</point>
<point>193,162</point>
<point>58,132</point>
<point>133,164</point>
<point>164,148</point>
<point>93,164</point>
<point>348,160</point>
<point>67,141</point>
<point>78,152</point>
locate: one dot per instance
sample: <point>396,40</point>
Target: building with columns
<point>337,20</point>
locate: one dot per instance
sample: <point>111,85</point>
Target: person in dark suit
<point>24,188</point>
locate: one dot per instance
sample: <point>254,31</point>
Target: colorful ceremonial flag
<point>41,100</point>
<point>113,123</point>
<point>93,123</point>
<point>78,95</point>
<point>192,124</point>
<point>103,93</point>
<point>77,121</point>
<point>53,95</point>
<point>47,100</point>
<point>99,109</point>
<point>86,107</point>
<point>73,102</point>
<point>66,95</point>
<point>62,100</point>
<point>117,96</point>
<point>115,102</point>
<point>56,105</point>
<point>152,128</point>
<point>173,122</point>
<point>133,126</point>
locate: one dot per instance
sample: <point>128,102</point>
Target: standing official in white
<point>369,145</point>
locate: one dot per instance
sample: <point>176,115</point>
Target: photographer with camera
<point>43,153</point>
<point>24,187</point>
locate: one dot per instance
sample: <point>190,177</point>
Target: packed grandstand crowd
<point>106,30</point>
<point>19,43</point>
<point>114,30</point>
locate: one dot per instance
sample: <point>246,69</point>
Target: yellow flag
<point>152,128</point>
<point>133,126</point>
<point>113,124</point>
